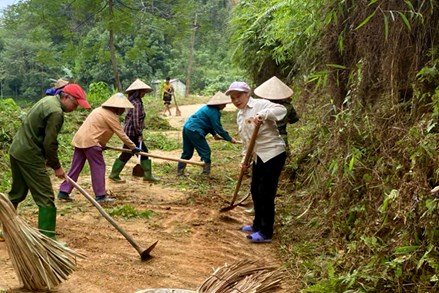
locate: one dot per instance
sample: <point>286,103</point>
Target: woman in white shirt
<point>268,156</point>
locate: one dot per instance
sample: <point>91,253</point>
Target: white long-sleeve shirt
<point>268,142</point>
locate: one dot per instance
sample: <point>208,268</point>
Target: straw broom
<point>39,261</point>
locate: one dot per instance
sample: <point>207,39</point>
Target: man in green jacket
<point>35,147</point>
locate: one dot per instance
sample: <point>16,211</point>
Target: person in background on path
<point>59,85</point>
<point>35,147</point>
<point>133,127</point>
<point>90,141</point>
<point>278,92</point>
<point>268,156</point>
<point>206,120</point>
<point>168,92</point>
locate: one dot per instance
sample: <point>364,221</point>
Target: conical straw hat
<point>139,85</point>
<point>219,99</point>
<point>61,83</point>
<point>118,100</point>
<point>273,89</point>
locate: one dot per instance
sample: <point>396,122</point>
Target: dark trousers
<point>265,177</point>
<point>192,140</point>
<point>25,177</point>
<point>125,157</point>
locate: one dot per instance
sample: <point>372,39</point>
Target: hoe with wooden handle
<point>144,253</point>
<point>247,159</point>
<point>155,156</point>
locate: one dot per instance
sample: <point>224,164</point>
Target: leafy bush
<point>98,93</point>
<point>129,212</point>
<point>10,121</point>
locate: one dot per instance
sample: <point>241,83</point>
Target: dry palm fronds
<point>165,290</point>
<point>39,261</point>
<point>243,276</point>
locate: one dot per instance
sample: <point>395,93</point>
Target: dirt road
<point>194,238</point>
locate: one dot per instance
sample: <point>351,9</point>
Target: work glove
<point>136,150</point>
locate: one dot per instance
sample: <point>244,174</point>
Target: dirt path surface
<point>194,237</point>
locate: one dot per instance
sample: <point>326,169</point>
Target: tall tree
<point>112,46</point>
<point>147,39</point>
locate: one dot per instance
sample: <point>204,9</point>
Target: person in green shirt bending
<point>35,147</point>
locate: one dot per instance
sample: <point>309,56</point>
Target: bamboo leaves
<point>385,13</point>
<point>405,20</point>
<point>365,21</point>
<point>386,27</point>
<point>281,32</point>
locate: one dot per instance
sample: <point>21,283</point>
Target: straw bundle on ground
<point>39,261</point>
<point>243,276</point>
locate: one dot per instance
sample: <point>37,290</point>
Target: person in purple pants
<point>89,142</point>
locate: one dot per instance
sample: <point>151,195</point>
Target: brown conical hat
<point>219,99</point>
<point>273,89</point>
<point>139,85</point>
<point>61,83</point>
<point>118,100</point>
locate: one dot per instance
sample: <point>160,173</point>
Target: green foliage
<point>276,37</point>
<point>152,41</point>
<point>368,185</point>
<point>98,93</point>
<point>10,121</point>
<point>130,212</point>
<point>160,141</point>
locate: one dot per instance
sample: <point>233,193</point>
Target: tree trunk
<point>117,83</point>
<point>191,53</point>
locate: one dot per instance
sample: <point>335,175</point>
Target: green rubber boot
<point>47,221</point>
<point>115,171</point>
<point>147,171</point>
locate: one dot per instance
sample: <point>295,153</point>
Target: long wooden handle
<point>247,159</point>
<point>106,216</point>
<point>156,156</point>
<point>175,101</point>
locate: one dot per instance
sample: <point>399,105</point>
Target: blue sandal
<point>247,228</point>
<point>258,237</point>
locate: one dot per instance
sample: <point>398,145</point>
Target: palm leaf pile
<point>39,261</point>
<point>243,276</point>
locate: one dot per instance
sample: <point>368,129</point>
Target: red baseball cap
<point>78,93</point>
